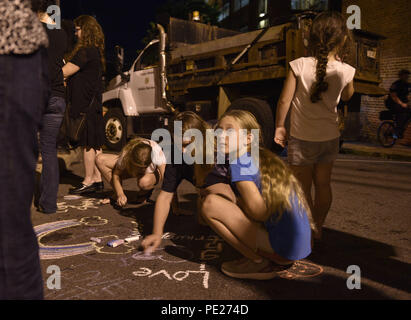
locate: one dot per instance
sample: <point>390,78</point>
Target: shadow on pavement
<point>337,251</point>
<point>375,259</point>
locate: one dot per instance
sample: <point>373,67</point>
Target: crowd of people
<point>262,207</point>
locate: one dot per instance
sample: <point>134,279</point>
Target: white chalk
<point>148,252</point>
<point>98,240</point>
<point>132,238</point>
<point>72,197</point>
<point>115,243</point>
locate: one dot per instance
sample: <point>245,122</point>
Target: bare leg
<point>323,193</point>
<point>227,219</point>
<point>89,158</point>
<point>304,175</point>
<point>222,189</point>
<point>96,172</point>
<point>147,182</point>
<point>105,162</point>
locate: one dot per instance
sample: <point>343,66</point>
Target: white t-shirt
<point>317,121</point>
<point>157,157</point>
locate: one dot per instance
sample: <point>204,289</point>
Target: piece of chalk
<point>148,252</point>
<point>98,240</point>
<point>72,197</point>
<point>132,238</point>
<point>115,243</point>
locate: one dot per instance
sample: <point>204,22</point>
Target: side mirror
<point>119,61</point>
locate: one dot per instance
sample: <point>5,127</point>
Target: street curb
<point>387,154</point>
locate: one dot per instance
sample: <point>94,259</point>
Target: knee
<point>99,160</point>
<point>208,205</point>
<point>145,183</point>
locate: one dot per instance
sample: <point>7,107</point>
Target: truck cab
<point>134,94</point>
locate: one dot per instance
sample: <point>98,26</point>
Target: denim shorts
<point>302,153</point>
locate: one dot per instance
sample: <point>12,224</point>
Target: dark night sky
<point>124,22</point>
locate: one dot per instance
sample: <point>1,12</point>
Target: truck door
<point>145,80</point>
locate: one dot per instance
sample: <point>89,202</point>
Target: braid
<point>320,85</point>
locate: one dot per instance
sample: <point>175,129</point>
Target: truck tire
<point>262,112</point>
<point>115,129</point>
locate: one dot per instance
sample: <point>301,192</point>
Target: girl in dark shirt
<point>85,67</point>
<point>174,174</point>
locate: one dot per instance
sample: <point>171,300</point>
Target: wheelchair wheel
<point>386,134</point>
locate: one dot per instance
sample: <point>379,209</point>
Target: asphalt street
<point>368,226</point>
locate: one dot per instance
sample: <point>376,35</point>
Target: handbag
<point>71,128</point>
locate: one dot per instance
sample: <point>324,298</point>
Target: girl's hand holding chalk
<point>122,200</point>
<point>151,243</point>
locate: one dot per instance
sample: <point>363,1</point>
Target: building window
<point>225,11</point>
<point>238,4</point>
<point>262,8</point>
<point>318,5</point>
<point>263,24</point>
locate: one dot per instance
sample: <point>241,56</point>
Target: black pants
<point>23,98</point>
<point>401,117</point>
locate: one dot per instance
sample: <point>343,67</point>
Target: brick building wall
<point>391,19</point>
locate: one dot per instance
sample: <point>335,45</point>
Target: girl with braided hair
<point>312,89</point>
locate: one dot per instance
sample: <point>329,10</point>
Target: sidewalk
<point>397,152</point>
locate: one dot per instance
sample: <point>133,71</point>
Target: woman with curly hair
<point>84,70</point>
<point>313,89</point>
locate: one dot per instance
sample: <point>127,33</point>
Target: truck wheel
<point>262,112</point>
<point>115,129</point>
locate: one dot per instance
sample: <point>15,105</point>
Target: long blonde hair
<point>279,185</point>
<point>136,156</point>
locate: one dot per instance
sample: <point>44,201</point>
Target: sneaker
<point>248,269</point>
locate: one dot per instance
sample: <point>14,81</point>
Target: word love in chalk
<point>178,276</point>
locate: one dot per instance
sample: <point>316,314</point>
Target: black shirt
<point>87,82</point>
<point>402,90</point>
<point>175,173</point>
<point>56,50</point>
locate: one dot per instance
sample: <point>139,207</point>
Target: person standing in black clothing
<point>84,70</point>
<point>51,120</point>
<point>397,101</point>
<point>24,92</point>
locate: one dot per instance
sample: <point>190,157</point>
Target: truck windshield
<point>149,59</point>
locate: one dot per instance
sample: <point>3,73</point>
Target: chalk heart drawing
<point>48,252</point>
<point>301,269</point>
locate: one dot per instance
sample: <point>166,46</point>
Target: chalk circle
<point>144,257</point>
<point>182,254</point>
<point>301,269</point>
<point>93,221</point>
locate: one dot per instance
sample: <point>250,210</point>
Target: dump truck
<point>209,70</point>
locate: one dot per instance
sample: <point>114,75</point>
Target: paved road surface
<point>369,226</point>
